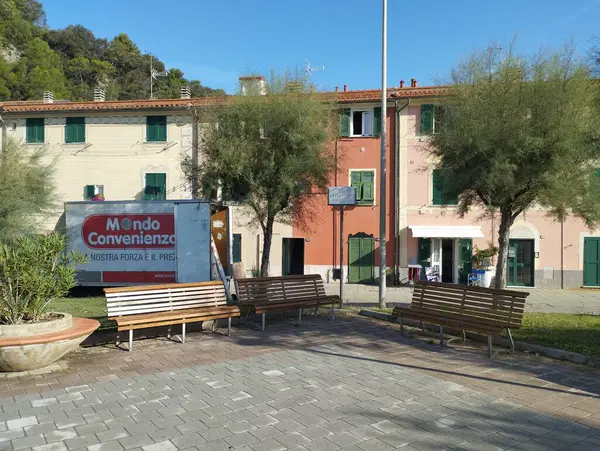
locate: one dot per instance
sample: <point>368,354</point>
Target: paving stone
<point>134,441</point>
<point>108,446</point>
<point>21,423</point>
<point>161,446</point>
<point>239,440</point>
<point>39,429</point>
<point>374,444</point>
<point>268,445</point>
<point>322,444</point>
<point>188,441</point>
<point>112,434</point>
<point>58,446</point>
<point>28,442</point>
<point>344,439</point>
<point>60,436</point>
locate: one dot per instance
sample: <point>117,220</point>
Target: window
<point>440,197</point>
<point>237,247</point>
<point>156,186</point>
<point>363,182</point>
<point>34,130</point>
<point>93,192</point>
<point>75,130</point>
<point>432,119</point>
<point>156,128</point>
<point>365,122</point>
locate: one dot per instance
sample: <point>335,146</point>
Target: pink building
<point>421,231</point>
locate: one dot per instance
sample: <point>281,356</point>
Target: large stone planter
<point>30,346</point>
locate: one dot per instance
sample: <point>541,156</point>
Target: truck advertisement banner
<point>124,242</point>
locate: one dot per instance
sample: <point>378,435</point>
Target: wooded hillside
<point>72,62</point>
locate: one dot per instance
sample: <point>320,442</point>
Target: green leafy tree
<point>27,190</point>
<point>267,152</point>
<point>34,271</point>
<point>521,132</point>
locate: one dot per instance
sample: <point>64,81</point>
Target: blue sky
<point>217,41</point>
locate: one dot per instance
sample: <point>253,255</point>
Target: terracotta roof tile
<point>368,95</point>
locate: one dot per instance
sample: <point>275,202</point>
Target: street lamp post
<point>383,162</point>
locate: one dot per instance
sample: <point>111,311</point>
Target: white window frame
<point>370,113</point>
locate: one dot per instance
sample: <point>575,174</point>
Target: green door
<point>465,264</point>
<point>591,262</point>
<point>360,259</point>
<point>519,271</point>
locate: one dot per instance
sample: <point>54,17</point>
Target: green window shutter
<point>161,183</point>
<point>368,188</point>
<point>150,188</point>
<point>161,125</point>
<point>34,130</point>
<point>426,119</point>
<point>150,128</point>
<point>438,188</point>
<point>237,247</point>
<point>377,118</point>
<point>356,182</point>
<point>75,130</point>
<point>156,128</point>
<point>90,191</point>
<point>424,252</point>
<point>344,126</point>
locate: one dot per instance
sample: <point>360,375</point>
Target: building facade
<point>124,150</point>
<point>132,150</point>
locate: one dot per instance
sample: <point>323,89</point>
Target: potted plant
<point>482,260</point>
<point>34,270</point>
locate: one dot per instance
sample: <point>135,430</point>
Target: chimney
<point>99,95</point>
<point>413,82</point>
<point>185,92</point>
<point>48,97</point>
<point>345,88</point>
<point>255,85</point>
<point>402,83</point>
<point>337,88</point>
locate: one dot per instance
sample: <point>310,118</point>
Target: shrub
<point>34,270</point>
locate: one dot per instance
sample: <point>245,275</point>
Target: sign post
<point>341,196</point>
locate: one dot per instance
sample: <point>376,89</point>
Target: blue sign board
<point>341,195</point>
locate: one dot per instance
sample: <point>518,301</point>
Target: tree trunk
<point>506,222</point>
<point>268,236</point>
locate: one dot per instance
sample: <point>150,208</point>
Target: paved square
<point>351,384</point>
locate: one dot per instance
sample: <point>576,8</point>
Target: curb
<point>557,354</point>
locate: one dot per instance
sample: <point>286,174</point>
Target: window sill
<point>348,138</point>
<point>156,142</point>
<point>76,143</point>
<point>35,144</point>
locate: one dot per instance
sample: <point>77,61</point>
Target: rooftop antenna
<point>153,75</point>
<point>308,69</point>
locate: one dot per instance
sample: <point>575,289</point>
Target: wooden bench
<point>482,310</point>
<point>165,305</point>
<point>279,294</point>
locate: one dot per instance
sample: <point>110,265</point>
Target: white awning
<point>446,231</point>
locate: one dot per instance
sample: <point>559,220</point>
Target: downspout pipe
<point>397,186</point>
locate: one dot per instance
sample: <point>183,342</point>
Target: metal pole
<point>151,77</point>
<point>383,162</point>
<point>332,314</point>
<point>562,253</point>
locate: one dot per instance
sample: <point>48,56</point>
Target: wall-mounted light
<point>307,240</point>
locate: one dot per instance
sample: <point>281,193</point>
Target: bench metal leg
<point>299,316</point>
<point>316,309</point>
<point>512,343</point>
<point>247,316</point>
<point>118,342</point>
<point>263,322</point>
<point>169,333</point>
<point>441,336</point>
<point>183,333</point>
<point>130,339</point>
<point>422,326</point>
<point>401,326</point>
<point>229,326</point>
<point>490,343</point>
<point>464,336</point>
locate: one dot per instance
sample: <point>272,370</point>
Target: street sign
<point>341,195</point>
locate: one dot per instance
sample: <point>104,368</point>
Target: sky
<point>216,41</point>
